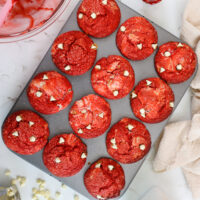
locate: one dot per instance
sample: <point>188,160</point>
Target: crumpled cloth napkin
<point>180,144</point>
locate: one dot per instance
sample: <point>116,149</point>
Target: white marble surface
<point>19,60</point>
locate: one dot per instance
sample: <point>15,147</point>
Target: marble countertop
<point>19,60</point>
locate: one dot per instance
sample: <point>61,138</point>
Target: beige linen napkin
<point>180,144</point>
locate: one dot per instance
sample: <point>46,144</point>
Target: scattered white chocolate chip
<point>180,45</point>
<point>171,104</point>
<point>22,182</point>
<point>32,139</point>
<point>142,147</point>
<point>88,127</point>
<point>110,167</point>
<point>52,98</point>
<point>167,54</point>
<point>93,15</point>
<point>94,46</point>
<point>162,70</point>
<point>60,46</point>
<point>98,165</point>
<point>114,146</point>
<point>38,94</point>
<point>179,67</point>
<point>80,16</point>
<point>15,133</point>
<point>83,111</point>
<point>126,73</point>
<point>123,28</point>
<point>80,131</point>
<point>83,155</point>
<point>104,2</point>
<point>98,67</point>
<point>130,127</point>
<point>57,194</point>
<point>99,197</point>
<point>139,46</point>
<point>31,123</point>
<point>142,112</point>
<point>67,68</point>
<point>113,141</point>
<point>60,106</point>
<point>133,95</point>
<point>115,93</point>
<point>76,197</point>
<point>45,77</point>
<point>101,115</point>
<point>7,172</point>
<point>14,181</point>
<point>63,186</point>
<point>11,191</point>
<point>148,82</point>
<point>154,46</point>
<point>18,118</point>
<point>57,160</point>
<point>61,140</point>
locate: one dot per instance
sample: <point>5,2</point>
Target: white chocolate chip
<point>67,68</point>
<point>93,15</point>
<point>80,16</point>
<point>148,82</point>
<point>57,194</point>
<point>61,140</point>
<point>110,167</point>
<point>171,104</point>
<point>154,46</point>
<point>83,155</point>
<point>94,46</point>
<point>57,160</point>
<point>76,197</point>
<point>83,111</point>
<point>31,123</point>
<point>139,46</point>
<point>80,131</point>
<point>113,141</point>
<point>99,197</point>
<point>60,46</point>
<point>114,146</point>
<point>63,186</point>
<point>18,118</point>
<point>126,73</point>
<point>142,112</point>
<point>162,70</point>
<point>115,93</point>
<point>15,133</point>
<point>101,115</point>
<point>98,67</point>
<point>52,98</point>
<point>104,2</point>
<point>142,147</point>
<point>88,127</point>
<point>130,127</point>
<point>123,28</point>
<point>98,165</point>
<point>11,191</point>
<point>133,95</point>
<point>32,139</point>
<point>60,106</point>
<point>7,172</point>
<point>38,94</point>
<point>180,45</point>
<point>167,54</point>
<point>179,67</point>
<point>45,77</point>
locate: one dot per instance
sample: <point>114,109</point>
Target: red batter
<point>25,132</point>
<point>113,77</point>
<point>90,117</point>
<point>128,141</point>
<point>137,38</point>
<point>175,62</point>
<point>152,101</point>
<point>98,18</point>
<point>65,155</point>
<point>104,179</point>
<point>152,1</point>
<point>49,92</point>
<point>74,53</point>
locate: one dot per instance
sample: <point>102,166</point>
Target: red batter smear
<point>137,38</point>
<point>50,92</point>
<point>113,77</point>
<point>74,53</point>
<point>104,179</point>
<point>90,117</point>
<point>152,1</point>
<point>175,62</point>
<point>65,155</point>
<point>98,18</point>
<point>25,132</point>
<point>128,141</point>
<point>152,100</point>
